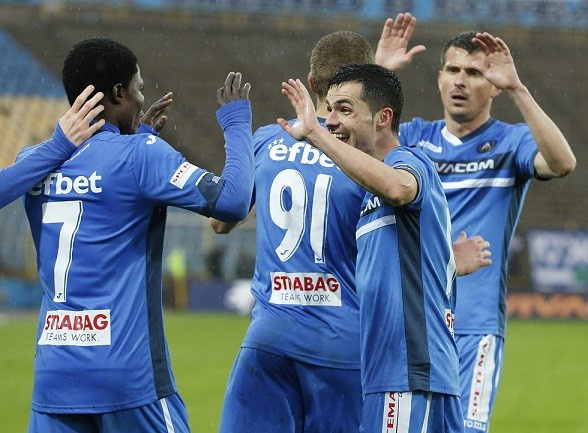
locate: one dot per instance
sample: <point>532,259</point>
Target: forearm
<point>31,167</point>
<point>558,157</point>
<point>235,198</point>
<point>398,187</point>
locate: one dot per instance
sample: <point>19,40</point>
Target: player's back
<point>306,212</point>
<point>99,242</point>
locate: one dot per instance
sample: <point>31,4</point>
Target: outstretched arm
<point>471,254</point>
<point>555,157</point>
<point>393,44</point>
<point>72,130</point>
<point>397,186</point>
<point>234,116</point>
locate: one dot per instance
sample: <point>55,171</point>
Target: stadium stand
<point>189,46</point>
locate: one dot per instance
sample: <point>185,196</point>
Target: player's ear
<point>384,118</point>
<point>117,93</point>
<point>311,83</point>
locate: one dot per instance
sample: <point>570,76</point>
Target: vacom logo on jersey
<point>76,328</point>
<point>301,288</point>
<point>464,167</point>
<point>303,152</point>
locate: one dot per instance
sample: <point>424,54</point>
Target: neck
<point>461,128</point>
<point>321,108</point>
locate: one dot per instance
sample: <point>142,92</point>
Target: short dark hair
<point>101,62</point>
<point>381,88</point>
<point>463,41</point>
<point>334,50</point>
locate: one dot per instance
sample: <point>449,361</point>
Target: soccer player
<point>98,221</point>
<point>71,131</point>
<point>303,340</point>
<point>486,167</point>
<point>405,274</point>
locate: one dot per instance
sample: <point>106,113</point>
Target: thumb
<point>462,237</point>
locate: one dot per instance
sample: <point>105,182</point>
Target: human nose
<point>460,79</point>
<point>331,121</point>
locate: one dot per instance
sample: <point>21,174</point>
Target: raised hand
<point>471,254</point>
<point>231,90</point>
<point>155,115</point>
<point>498,67</point>
<point>75,123</point>
<point>300,99</point>
<point>392,47</point>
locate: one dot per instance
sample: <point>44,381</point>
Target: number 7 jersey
<point>306,212</point>
<point>98,223</point>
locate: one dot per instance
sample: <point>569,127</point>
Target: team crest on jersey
<point>486,146</point>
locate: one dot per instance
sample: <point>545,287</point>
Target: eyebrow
<point>340,101</point>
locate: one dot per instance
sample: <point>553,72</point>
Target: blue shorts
<point>168,415</point>
<point>480,363</point>
<point>411,412</point>
<point>268,393</point>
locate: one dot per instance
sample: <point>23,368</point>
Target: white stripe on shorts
<point>427,411</point>
<point>168,421</point>
<point>482,385</point>
<point>397,410</point>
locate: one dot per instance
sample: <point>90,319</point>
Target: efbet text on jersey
<point>313,289</point>
<point>60,184</point>
<point>304,152</point>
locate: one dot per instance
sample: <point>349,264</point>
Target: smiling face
<point>132,104</point>
<point>465,93</point>
<point>350,118</point>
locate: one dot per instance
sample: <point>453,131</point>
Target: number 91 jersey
<point>306,213</point>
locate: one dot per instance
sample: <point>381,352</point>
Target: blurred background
<point>188,47</point>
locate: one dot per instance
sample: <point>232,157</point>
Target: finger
<point>160,123</point>
<point>462,236</point>
<point>387,29</point>
<point>229,83</point>
<point>81,99</point>
<point>245,91</point>
<point>410,26</point>
<point>95,127</point>
<point>93,113</point>
<point>90,104</point>
<point>236,82</point>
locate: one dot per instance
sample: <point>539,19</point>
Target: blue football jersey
<point>18,178</point>
<point>485,176</point>
<point>406,286</point>
<point>98,224</point>
<point>306,212</point>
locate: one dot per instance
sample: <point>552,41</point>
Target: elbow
<point>220,227</point>
<point>568,167</point>
<point>231,213</point>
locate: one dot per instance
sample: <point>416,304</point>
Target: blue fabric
<point>32,165</point>
<point>268,393</point>
<point>485,177</point>
<point>98,224</point>
<point>406,287</point>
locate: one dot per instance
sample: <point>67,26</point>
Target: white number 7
<point>69,213</point>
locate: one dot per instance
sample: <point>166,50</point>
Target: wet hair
<point>101,62</point>
<point>333,51</point>
<point>381,88</point>
<point>463,41</point>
